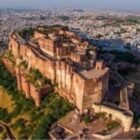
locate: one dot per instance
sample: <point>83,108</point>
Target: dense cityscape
<point>116,30</point>
<point>69,74</point>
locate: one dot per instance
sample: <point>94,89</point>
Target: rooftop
<point>93,73</point>
<point>67,45</point>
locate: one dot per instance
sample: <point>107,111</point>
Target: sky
<point>72,4</point>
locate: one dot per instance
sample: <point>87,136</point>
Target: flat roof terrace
<point>93,73</point>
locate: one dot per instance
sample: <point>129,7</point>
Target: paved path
<point>9,133</point>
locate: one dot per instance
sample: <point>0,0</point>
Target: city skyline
<point>63,4</point>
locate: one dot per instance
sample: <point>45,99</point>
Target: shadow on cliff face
<point>105,44</point>
<point>124,56</point>
<point>122,52</point>
<point>111,44</point>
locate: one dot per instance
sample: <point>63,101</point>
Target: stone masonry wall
<point>74,88</point>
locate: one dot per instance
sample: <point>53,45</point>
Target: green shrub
<point>40,119</point>
<point>4,115</point>
<point>86,119</point>
<point>100,115</point>
<point>112,124</point>
<point>37,79</point>
<point>57,108</point>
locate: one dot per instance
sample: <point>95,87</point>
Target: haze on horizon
<point>71,4</point>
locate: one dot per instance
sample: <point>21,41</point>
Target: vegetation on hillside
<point>26,120</point>
<point>7,103</point>
<point>3,134</point>
<point>9,56</point>
<point>37,79</point>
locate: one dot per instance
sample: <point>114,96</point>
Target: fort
<point>68,61</point>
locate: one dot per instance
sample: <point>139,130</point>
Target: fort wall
<point>71,85</point>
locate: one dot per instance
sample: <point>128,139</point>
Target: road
<point>8,131</point>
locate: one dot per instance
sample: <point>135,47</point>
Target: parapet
<point>126,117</point>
